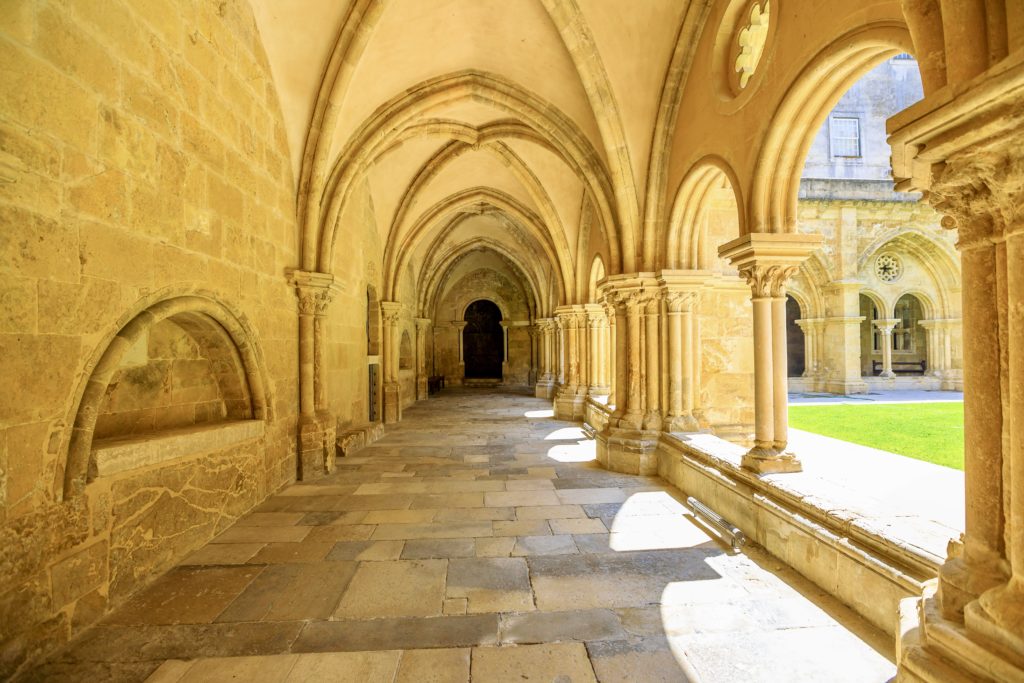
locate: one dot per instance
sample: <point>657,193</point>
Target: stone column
<point>964,148</point>
<point>422,327</point>
<point>626,444</point>
<point>886,326</point>
<point>390,314</point>
<point>633,415</point>
<point>533,332</point>
<point>610,352</point>
<point>317,427</point>
<point>597,326</point>
<point>807,327</point>
<point>504,350</point>
<point>570,395</point>
<point>652,348</point>
<point>767,261</point>
<point>460,327</point>
<point>842,354</point>
<point>681,360</point>
<point>545,383</point>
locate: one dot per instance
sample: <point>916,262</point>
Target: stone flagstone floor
<point>477,541</point>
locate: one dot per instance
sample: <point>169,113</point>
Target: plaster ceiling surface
<point>298,36</point>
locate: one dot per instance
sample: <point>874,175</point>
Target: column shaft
<point>764,398</point>
<point>675,363</point>
<point>780,372</point>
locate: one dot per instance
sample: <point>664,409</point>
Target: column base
<point>933,649</point>
<point>569,406</point>
<point>998,616</point>
<point>545,389</point>
<point>628,451</point>
<point>392,402</point>
<point>682,423</point>
<point>846,386</point>
<point>316,446</point>
<point>764,460</point>
<point>421,387</point>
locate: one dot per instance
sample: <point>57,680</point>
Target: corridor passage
<point>476,541</point>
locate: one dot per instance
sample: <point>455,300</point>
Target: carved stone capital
<point>767,281</point>
<point>313,300</point>
<point>679,301</point>
<point>967,155</point>
<point>980,194</point>
<point>314,290</point>
<point>390,312</point>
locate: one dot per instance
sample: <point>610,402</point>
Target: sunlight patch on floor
<point>654,520</point>
<point>581,451</point>
<point>566,434</point>
<point>550,412</point>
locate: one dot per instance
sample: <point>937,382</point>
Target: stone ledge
<point>120,454</point>
<point>353,440</point>
<point>788,522</point>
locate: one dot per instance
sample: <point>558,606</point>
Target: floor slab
<point>455,549</point>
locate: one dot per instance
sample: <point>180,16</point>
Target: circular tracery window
<point>751,41</point>
<point>888,267</point>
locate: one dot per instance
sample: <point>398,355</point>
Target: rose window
<point>888,267</point>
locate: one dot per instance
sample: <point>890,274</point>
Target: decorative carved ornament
<point>752,39</point>
<point>313,300</point>
<point>768,281</point>
<point>888,267</point>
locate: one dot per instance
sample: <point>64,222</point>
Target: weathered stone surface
<point>566,661</point>
<point>78,574</point>
<point>386,634</point>
<point>404,588</point>
<point>548,627</point>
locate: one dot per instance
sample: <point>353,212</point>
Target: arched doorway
<point>795,347</point>
<point>483,340</point>
<point>909,340</point>
<point>870,338</point>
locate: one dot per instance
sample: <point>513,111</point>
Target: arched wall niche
<point>685,244</point>
<point>233,357</point>
<point>597,273</point>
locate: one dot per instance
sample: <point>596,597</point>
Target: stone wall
<point>142,156</point>
<point>356,268</point>
<point>165,380</point>
<point>508,295</point>
<point>725,359</point>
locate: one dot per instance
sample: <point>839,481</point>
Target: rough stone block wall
<point>356,267</point>
<point>726,358</point>
<point>167,381</point>
<point>142,156</point>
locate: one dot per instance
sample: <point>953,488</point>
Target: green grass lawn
<point>933,432</point>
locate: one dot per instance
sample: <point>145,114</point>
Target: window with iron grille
<point>844,136</point>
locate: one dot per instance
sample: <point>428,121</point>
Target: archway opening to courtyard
<point>883,292</point>
<point>909,341</point>
<point>795,345</point>
<point>483,340</point>
<point>870,335</point>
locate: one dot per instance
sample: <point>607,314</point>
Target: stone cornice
<point>963,147</point>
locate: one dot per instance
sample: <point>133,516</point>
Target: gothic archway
<point>483,340</point>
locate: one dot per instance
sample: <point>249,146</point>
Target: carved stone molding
<point>390,311</point>
<point>314,290</point>
<point>768,281</point>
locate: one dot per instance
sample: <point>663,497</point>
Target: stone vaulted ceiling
<point>534,118</point>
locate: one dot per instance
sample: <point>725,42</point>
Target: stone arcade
<point>243,238</point>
